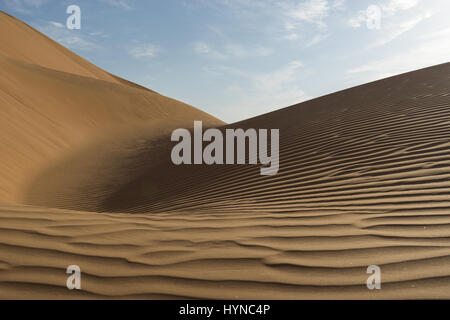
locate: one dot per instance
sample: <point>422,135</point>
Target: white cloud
<point>239,51</point>
<point>396,19</point>
<point>291,36</point>
<point>99,33</point>
<point>297,19</point>
<point>388,9</point>
<point>443,34</point>
<point>201,47</point>
<point>24,6</point>
<point>430,52</point>
<point>77,42</point>
<point>358,20</point>
<point>289,26</point>
<point>119,3</point>
<point>263,92</point>
<point>144,51</point>
<point>310,12</point>
<point>395,31</point>
<point>317,39</point>
<point>339,4</point>
<point>393,6</point>
<point>276,80</point>
<point>231,50</point>
<point>313,11</point>
<point>56,24</point>
<point>205,50</point>
<point>72,39</point>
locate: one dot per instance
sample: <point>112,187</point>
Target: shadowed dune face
<point>363,181</point>
<point>381,146</point>
<point>49,113</point>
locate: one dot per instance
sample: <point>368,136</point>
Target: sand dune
<point>48,113</point>
<point>86,179</point>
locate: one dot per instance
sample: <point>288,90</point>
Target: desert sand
<point>86,179</point>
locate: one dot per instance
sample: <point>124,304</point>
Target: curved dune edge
<point>363,181</point>
<point>55,104</point>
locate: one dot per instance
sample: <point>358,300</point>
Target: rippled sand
<point>86,179</point>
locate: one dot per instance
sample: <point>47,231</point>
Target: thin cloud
<point>291,36</point>
<point>317,39</point>
<point>24,6</point>
<point>358,20</point>
<point>392,6</point>
<point>401,28</point>
<point>145,51</point>
<point>339,4</point>
<point>263,92</point>
<point>241,52</point>
<point>312,11</point>
<point>56,24</point>
<point>204,49</point>
<point>122,4</point>
<point>433,51</point>
<point>389,9</point>
<point>231,50</point>
<point>394,20</point>
<point>69,38</point>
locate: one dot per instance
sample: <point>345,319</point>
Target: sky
<point>236,59</point>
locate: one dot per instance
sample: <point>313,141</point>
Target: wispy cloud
<point>301,19</point>
<point>339,4</point>
<point>396,19</point>
<point>24,6</point>
<point>291,36</point>
<point>275,81</point>
<point>317,39</point>
<point>394,31</point>
<point>72,39</point>
<point>310,12</point>
<point>99,33</point>
<point>262,92</point>
<point>242,52</point>
<point>231,50</point>
<point>204,49</point>
<point>358,20</point>
<point>388,9</point>
<point>123,4</point>
<point>432,50</point>
<point>147,50</point>
<point>392,6</point>
<point>56,24</point>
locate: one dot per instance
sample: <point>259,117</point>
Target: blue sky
<point>240,58</point>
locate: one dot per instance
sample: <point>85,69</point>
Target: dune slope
<point>48,113</point>
<point>86,179</point>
